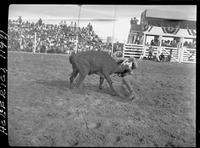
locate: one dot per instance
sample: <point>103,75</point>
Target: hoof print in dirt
<point>72,142</point>
<point>169,144</point>
<point>91,125</point>
<point>67,99</point>
<point>118,138</point>
<point>98,125</point>
<point>52,114</point>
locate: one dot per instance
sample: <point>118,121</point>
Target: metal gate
<point>188,55</point>
<point>133,50</point>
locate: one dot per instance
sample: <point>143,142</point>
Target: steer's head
<point>127,66</point>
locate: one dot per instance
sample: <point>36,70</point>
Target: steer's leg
<point>81,77</point>
<point>107,76</point>
<point>101,82</point>
<point>73,76</point>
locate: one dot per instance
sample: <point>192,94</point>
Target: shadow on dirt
<point>87,88</point>
<point>59,84</point>
<point>65,85</point>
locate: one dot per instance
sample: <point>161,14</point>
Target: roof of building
<point>173,15</point>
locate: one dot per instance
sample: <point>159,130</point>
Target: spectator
<point>169,56</point>
<point>150,56</point>
<point>152,43</point>
<point>162,57</point>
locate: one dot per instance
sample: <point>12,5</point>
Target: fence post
<point>123,49</point>
<point>143,52</point>
<point>144,46</point>
<point>180,55</point>
<point>34,49</point>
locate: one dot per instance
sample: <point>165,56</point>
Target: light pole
<point>79,13</point>
<point>113,32</point>
<point>35,43</point>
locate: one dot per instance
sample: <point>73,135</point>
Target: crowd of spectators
<point>154,42</point>
<point>168,43</point>
<point>190,44</point>
<point>173,43</point>
<point>52,38</point>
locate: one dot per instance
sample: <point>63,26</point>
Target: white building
<point>169,32</point>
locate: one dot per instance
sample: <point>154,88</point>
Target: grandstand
<point>51,38</point>
<point>169,33</point>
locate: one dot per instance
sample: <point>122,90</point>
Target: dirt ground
<point>44,111</point>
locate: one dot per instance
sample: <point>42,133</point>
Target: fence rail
<point>177,54</point>
<point>132,50</point>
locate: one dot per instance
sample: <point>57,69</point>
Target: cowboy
<point>127,82</point>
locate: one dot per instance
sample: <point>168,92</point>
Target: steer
<point>96,62</point>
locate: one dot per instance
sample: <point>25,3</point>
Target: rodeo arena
<point>57,95</point>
